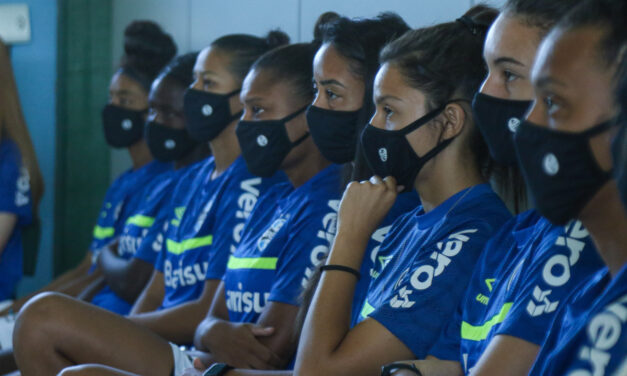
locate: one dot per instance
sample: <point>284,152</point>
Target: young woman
<point>564,150</point>
<point>124,276</point>
<point>21,184</point>
<point>422,137</point>
<point>251,322</point>
<point>147,50</point>
<point>530,266</point>
<point>219,197</point>
<point>344,70</point>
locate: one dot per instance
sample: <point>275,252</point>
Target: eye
<point>509,76</point>
<point>388,111</point>
<point>550,104</point>
<point>330,94</point>
<point>207,84</point>
<point>256,110</point>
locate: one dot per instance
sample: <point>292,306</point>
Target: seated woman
<point>422,137</point>
<point>147,50</point>
<point>344,70</point>
<point>21,184</point>
<point>216,68</point>
<point>519,283</point>
<point>124,276</point>
<point>564,149</point>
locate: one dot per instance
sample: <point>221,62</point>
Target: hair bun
<point>276,38</point>
<point>147,47</point>
<point>325,19</point>
<point>479,18</point>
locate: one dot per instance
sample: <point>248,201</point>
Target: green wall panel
<point>82,166</point>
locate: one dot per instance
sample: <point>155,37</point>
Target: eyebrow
<point>386,97</point>
<point>205,73</point>
<point>331,82</point>
<point>547,81</point>
<point>253,100</point>
<point>510,60</point>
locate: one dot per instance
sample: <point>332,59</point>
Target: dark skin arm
<point>268,344</point>
<point>127,278</point>
<point>151,297</point>
<point>435,367</point>
<point>178,324</point>
<point>93,287</point>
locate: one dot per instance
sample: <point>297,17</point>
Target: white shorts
<point>6,331</point>
<point>182,360</point>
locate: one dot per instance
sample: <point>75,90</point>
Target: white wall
<point>195,23</point>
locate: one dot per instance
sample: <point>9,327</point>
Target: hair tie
<point>471,25</point>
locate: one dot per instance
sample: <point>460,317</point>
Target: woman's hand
<point>238,345</point>
<point>364,206</point>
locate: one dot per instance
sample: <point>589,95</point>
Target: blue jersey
<point>589,336</point>
<point>431,257</point>
<point>525,272</point>
<point>375,258</point>
<point>120,198</point>
<point>205,227</point>
<point>286,237</point>
<point>142,228</point>
<point>15,198</point>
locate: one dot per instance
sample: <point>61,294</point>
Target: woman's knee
<point>35,314</point>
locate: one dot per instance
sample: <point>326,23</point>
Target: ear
<point>454,120</point>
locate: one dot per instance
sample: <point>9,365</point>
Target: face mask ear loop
<point>292,117</point>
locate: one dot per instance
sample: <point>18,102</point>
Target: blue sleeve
<point>565,259</point>
<point>160,260</point>
<point>448,344</point>
<point>430,292</point>
<point>15,196</point>
<point>308,242</point>
<point>152,243</point>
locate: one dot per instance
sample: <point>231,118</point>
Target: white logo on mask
<point>262,140</point>
<point>513,124</point>
<point>550,164</point>
<point>383,154</point>
<point>170,144</point>
<point>207,110</point>
<point>127,124</point>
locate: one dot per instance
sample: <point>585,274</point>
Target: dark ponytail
<point>244,49</point>
<point>147,50</point>
<point>446,62</point>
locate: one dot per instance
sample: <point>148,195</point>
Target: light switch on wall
<point>14,23</point>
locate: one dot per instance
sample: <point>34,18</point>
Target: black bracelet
<point>341,268</point>
<point>393,367</point>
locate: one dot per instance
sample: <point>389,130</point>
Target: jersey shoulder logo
<point>178,215</point>
<point>557,269</point>
<point>271,232</point>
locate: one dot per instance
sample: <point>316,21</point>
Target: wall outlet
<point>14,23</point>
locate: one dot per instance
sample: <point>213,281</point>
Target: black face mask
<point>167,144</point>
<point>334,132</point>
<point>122,127</point>
<point>560,170</point>
<point>619,152</point>
<point>498,119</point>
<point>207,114</point>
<point>388,153</point>
<point>265,144</point>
